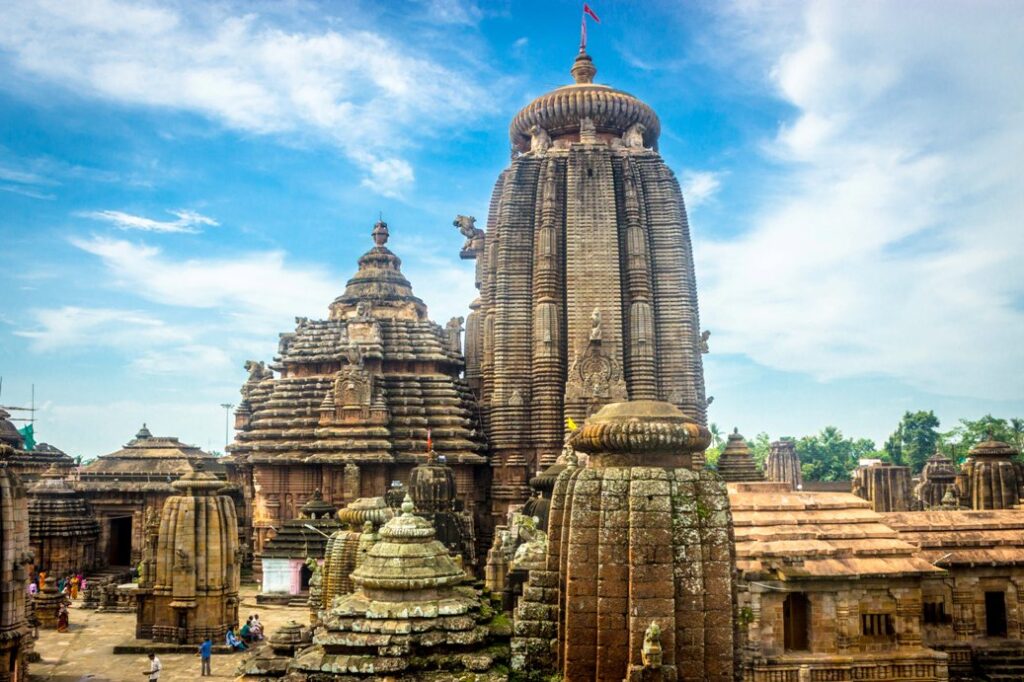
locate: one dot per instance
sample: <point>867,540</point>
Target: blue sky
<point>178,181</point>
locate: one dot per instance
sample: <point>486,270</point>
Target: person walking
<point>154,668</point>
<point>205,652</point>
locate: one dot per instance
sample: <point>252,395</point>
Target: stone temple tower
<point>587,290</point>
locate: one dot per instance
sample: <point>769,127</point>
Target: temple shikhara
<point>532,501</point>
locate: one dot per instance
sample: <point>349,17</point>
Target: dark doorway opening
<point>995,614</point>
<point>796,615</point>
<point>304,575</point>
<point>119,545</point>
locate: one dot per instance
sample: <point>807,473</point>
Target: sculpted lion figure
<point>540,141</point>
<point>634,136</point>
<point>473,234</point>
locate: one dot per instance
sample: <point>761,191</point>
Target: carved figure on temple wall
<point>633,138</point>
<point>363,310</point>
<point>474,243</point>
<point>257,370</point>
<point>354,355</point>
<point>285,342</point>
<point>651,651</point>
<point>595,325</point>
<point>454,331</point>
<point>704,336</point>
<point>540,141</point>
<point>516,399</point>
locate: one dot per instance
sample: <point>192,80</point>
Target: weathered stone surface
<point>62,527</point>
<point>188,584</point>
<point>885,486</point>
<point>15,555</point>
<point>636,537</point>
<point>937,478</point>
<point>991,478</point>
<point>783,464</point>
<point>736,463</point>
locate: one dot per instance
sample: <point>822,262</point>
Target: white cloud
<point>699,186</point>
<point>360,90</point>
<point>890,243</point>
<point>259,287</point>
<point>73,327</point>
<point>187,221</point>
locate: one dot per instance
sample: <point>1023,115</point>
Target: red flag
<point>583,25</point>
<point>587,10</point>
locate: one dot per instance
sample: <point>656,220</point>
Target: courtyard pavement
<point>84,653</point>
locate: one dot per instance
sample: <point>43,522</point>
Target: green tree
<point>958,441</point>
<point>760,447</point>
<point>914,440</point>
<point>828,456</point>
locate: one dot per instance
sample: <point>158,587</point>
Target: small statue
<point>257,370</point>
<point>474,243</point>
<point>184,561</point>
<point>540,141</point>
<point>710,399</point>
<point>704,336</point>
<point>588,131</point>
<point>354,355</point>
<point>633,138</point>
<point>362,310</point>
<point>301,322</point>
<point>285,342</point>
<point>595,325</point>
<point>651,652</point>
<point>454,330</point>
<point>516,398</point>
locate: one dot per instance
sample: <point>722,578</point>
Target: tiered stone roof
<point>363,386</point>
<point>783,464</point>
<point>937,477</point>
<point>991,478</point>
<point>736,463</point>
<point>56,510</point>
<point>147,463</point>
<point>968,538</point>
<point>783,534</point>
<point>407,615</point>
<point>294,540</point>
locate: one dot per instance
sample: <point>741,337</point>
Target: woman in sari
<point>62,618</point>
<point>74,587</point>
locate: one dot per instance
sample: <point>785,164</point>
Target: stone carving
<point>651,652</point>
<point>454,331</point>
<point>516,398</point>
<point>633,138</point>
<point>257,371</point>
<point>704,336</point>
<point>540,141</point>
<point>588,131</point>
<point>595,325</point>
<point>363,309</point>
<point>474,243</point>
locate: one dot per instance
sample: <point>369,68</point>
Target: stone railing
<point>910,671</point>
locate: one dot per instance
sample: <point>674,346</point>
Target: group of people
<point>68,585</point>
<point>251,632</point>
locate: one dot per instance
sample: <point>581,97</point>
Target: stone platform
<point>84,652</point>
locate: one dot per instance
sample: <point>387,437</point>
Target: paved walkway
<point>83,654</point>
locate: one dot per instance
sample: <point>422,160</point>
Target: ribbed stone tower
<point>188,589</point>
<point>937,477</point>
<point>587,290</point>
<point>990,478</point>
<point>736,463</point>
<point>15,637</point>
<point>639,576</point>
<point>62,527</point>
<point>783,464</point>
<point>885,486</point>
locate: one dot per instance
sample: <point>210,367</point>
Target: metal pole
<point>227,414</point>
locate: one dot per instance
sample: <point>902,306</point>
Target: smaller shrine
<point>937,478</point>
<point>991,478</point>
<point>783,464</point>
<point>188,586</point>
<point>284,558</point>
<point>885,486</point>
<point>15,555</point>
<point>271,661</point>
<point>62,528</point>
<point>434,494</point>
<point>736,463</point>
<point>410,617</point>
<point>347,548</point>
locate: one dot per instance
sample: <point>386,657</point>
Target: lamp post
<point>227,414</point>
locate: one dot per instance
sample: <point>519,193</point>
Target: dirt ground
<point>84,653</point>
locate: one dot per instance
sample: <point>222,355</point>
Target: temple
<point>585,273</point>
<point>62,527</point>
<point>15,555</point>
<point>353,403</point>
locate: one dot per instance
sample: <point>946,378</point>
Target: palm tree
<point>716,435</point>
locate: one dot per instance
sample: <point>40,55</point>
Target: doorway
<point>995,614</point>
<point>304,575</point>
<point>119,543</point>
<point>795,619</point>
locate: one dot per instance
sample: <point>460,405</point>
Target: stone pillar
<point>908,618</point>
<point>963,613</point>
<point>351,485</point>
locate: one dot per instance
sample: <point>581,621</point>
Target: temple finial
<point>380,232</point>
<point>583,69</point>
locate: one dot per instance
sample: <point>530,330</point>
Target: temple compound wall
<point>586,280</point>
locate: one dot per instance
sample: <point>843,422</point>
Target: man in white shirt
<point>154,668</point>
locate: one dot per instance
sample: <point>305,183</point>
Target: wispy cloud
<point>357,89</point>
<point>28,192</point>
<point>261,286</point>
<point>71,327</point>
<point>890,242</point>
<point>187,221</point>
<point>699,186</point>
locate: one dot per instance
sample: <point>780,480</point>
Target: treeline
<point>831,456</point>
